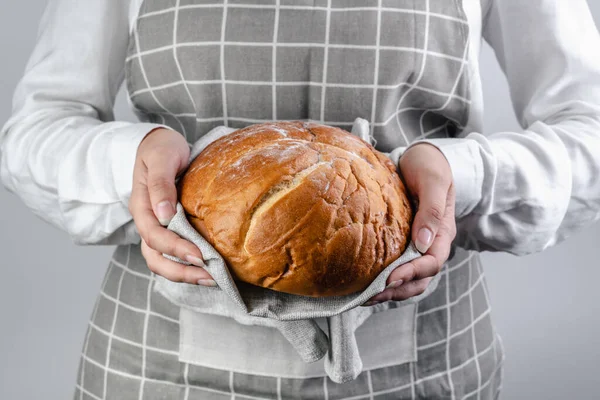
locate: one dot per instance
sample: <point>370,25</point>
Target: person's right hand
<point>161,156</point>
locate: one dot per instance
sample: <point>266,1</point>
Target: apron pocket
<point>386,338</point>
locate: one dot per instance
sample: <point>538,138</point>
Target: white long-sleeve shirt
<point>72,164</point>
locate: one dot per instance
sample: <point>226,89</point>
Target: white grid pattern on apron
<point>454,94</point>
<point>179,381</point>
<point>130,350</point>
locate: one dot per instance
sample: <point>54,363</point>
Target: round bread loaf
<point>298,207</point>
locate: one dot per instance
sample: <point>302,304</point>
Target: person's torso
<point>403,65</point>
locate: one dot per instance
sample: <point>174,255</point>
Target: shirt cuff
<point>124,147</point>
<point>395,154</point>
<point>467,170</point>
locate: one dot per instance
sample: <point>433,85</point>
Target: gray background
<point>544,305</point>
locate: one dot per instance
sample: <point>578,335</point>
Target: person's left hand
<point>428,178</point>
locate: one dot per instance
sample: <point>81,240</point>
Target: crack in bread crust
<point>289,267</point>
<point>277,192</point>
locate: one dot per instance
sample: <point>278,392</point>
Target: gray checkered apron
<point>196,64</point>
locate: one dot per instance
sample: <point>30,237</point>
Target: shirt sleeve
<point>522,192</point>
<point>62,152</point>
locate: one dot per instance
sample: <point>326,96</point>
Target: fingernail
<point>195,260</point>
<point>424,240</point>
<point>164,212</point>
<point>395,284</point>
<point>370,303</point>
<point>207,282</point>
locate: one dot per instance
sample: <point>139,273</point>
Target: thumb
<point>162,170</point>
<point>430,212</point>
